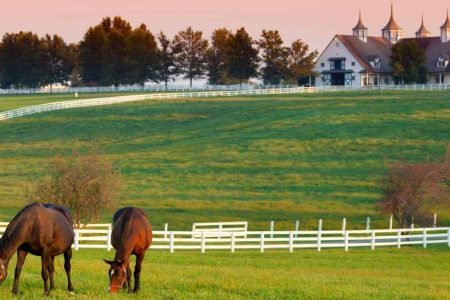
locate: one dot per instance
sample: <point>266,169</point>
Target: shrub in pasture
<point>88,184</point>
<point>413,192</point>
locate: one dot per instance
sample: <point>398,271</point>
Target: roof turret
<point>392,24</point>
<point>447,23</point>
<point>360,25</point>
<point>423,31</point>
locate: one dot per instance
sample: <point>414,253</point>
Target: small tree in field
<point>412,192</point>
<point>87,184</point>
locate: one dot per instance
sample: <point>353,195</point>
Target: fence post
<point>346,241</point>
<point>272,226</point>
<point>424,237</point>
<point>166,227</point>
<point>344,225</point>
<point>108,240</point>
<point>448,236</point>
<point>390,222</point>
<point>368,224</point>
<point>297,225</point>
<point>77,239</point>
<point>203,244</point>
<point>434,220</point>
<point>233,241</point>
<point>372,240</point>
<point>261,242</point>
<point>319,236</point>
<point>291,242</point>
<point>399,238</point>
<point>171,243</point>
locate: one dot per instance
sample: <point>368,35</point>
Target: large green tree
<point>191,57</point>
<point>408,62</point>
<point>112,53</point>
<point>242,57</point>
<point>167,68</point>
<point>218,57</point>
<point>300,62</point>
<point>274,57</point>
<point>21,60</point>
<point>142,54</point>
<point>58,58</point>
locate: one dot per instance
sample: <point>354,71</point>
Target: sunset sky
<point>313,21</point>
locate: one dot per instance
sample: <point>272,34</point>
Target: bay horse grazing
<point>131,234</point>
<point>44,230</point>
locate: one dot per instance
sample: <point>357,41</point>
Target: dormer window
<point>375,62</point>
<point>442,62</point>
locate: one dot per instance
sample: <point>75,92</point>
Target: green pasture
<point>386,273</point>
<point>261,158</point>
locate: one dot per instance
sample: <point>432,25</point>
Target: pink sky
<point>314,21</point>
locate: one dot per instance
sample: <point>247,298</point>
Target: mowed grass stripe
<point>320,155</point>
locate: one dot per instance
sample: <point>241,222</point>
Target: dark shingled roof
<point>366,51</point>
<point>433,48</point>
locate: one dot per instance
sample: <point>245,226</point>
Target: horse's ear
<point>109,262</point>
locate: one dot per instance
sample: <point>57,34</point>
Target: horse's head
<point>3,271</point>
<point>117,275</point>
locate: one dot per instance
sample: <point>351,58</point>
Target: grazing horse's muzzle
<point>3,272</point>
<point>117,276</point>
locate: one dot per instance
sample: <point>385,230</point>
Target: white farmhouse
<point>359,60</point>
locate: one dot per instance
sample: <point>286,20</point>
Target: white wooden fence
<point>271,240</point>
<point>274,91</point>
<point>133,98</point>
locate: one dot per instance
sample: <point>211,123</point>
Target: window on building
<point>442,62</point>
<point>322,64</point>
<point>353,64</point>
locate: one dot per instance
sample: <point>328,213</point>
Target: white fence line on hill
<point>122,99</point>
<point>271,240</point>
<point>24,111</point>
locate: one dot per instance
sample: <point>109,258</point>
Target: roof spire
<point>422,32</point>
<point>360,30</point>
<point>447,23</point>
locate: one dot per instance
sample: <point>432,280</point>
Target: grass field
<point>261,158</point>
<point>407,273</point>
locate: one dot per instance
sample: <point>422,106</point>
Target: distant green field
<point>388,273</point>
<point>282,158</point>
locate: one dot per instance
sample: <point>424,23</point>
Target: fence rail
<point>273,91</point>
<point>270,240</point>
<point>123,99</point>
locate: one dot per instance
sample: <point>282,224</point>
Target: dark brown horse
<point>131,234</point>
<point>42,230</point>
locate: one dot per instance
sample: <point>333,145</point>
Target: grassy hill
<point>261,158</point>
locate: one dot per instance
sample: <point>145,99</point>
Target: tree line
<point>115,53</point>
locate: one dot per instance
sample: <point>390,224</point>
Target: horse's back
<point>131,224</point>
<point>43,227</point>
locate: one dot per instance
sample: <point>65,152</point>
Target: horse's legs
<point>51,270</point>
<point>21,255</point>
<point>67,267</point>
<point>129,277</point>
<point>137,271</point>
<point>45,273</point>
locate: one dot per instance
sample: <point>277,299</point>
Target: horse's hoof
<point>70,288</point>
<point>15,292</point>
